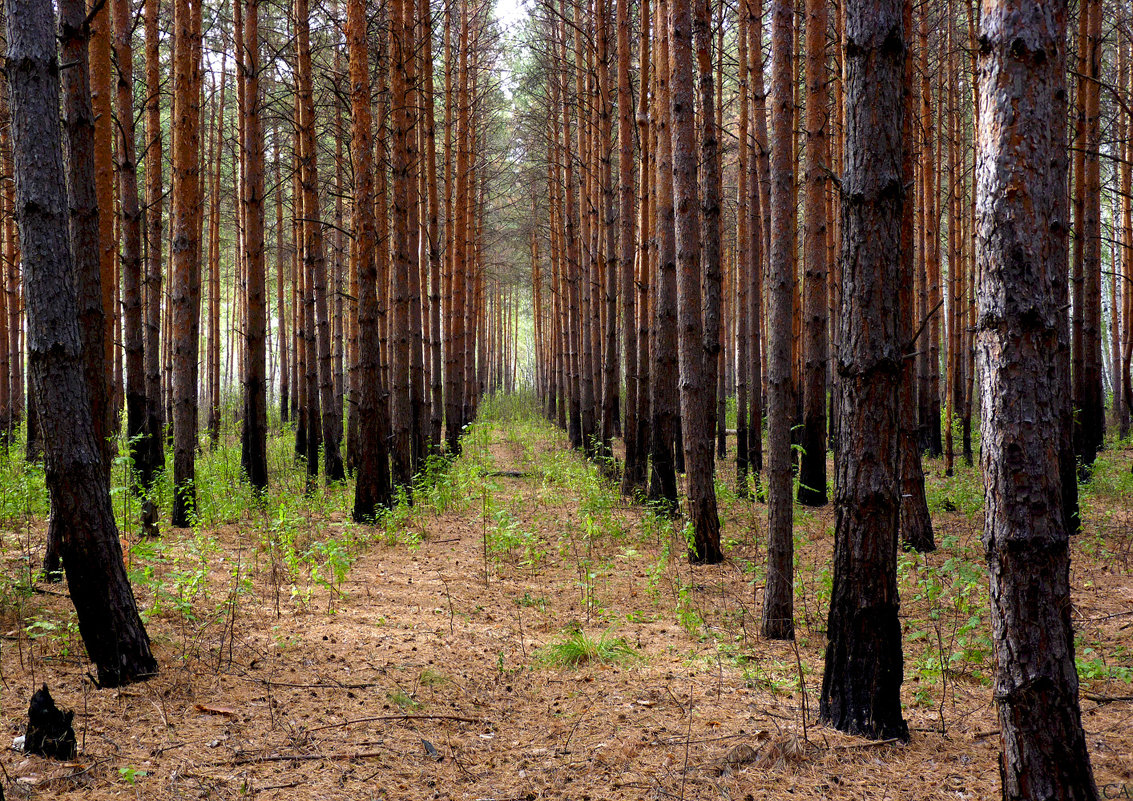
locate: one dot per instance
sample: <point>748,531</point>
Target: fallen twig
<point>870,744</point>
<point>345,723</point>
<point>1107,699</point>
<point>253,760</point>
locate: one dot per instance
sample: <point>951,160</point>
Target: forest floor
<point>305,657</point>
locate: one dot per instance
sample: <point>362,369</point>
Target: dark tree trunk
<point>401,338</point>
<point>861,684</point>
<point>711,281</point>
<point>1020,189</point>
<point>372,489</point>
<point>696,393</point>
<point>812,461</point>
<point>663,479</point>
<point>315,259</point>
<point>186,278</point>
<point>153,458</point>
<point>915,524</point>
<point>778,600</point>
<point>757,212</point>
<point>78,123</point>
<point>743,251</point>
<point>1090,433</point>
<point>254,440</point>
<point>131,227</point>
<point>109,623</point>
<point>633,475</point>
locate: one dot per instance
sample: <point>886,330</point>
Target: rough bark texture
<point>372,488</point>
<point>401,407</point>
<point>153,456</point>
<point>186,277</point>
<point>915,522</point>
<point>695,391</point>
<point>743,251</point>
<point>1090,400</point>
<point>255,422</point>
<point>97,25</point>
<point>778,600</point>
<point>133,332</point>
<point>663,479</point>
<point>757,214</point>
<point>315,258</point>
<point>812,460</point>
<point>109,623</point>
<point>861,684</point>
<point>1018,184</point>
<point>432,230</point>
<point>711,271</point>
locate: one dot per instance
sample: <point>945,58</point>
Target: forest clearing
<point>306,655</point>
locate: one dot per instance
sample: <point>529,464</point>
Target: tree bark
<point>633,474</point>
<point>861,684</point>
<point>915,523</point>
<point>1019,186</point>
<point>663,479</point>
<point>694,357</point>
<point>778,601</point>
<point>254,451</point>
<point>314,256</point>
<point>186,278</point>
<point>78,125</point>
<point>812,461</point>
<point>131,239</point>
<point>372,488</point>
<point>109,623</point>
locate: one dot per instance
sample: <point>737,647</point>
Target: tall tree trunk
<point>109,623</point>
<point>633,475</point>
<point>709,174</point>
<point>212,367</point>
<point>401,337</point>
<point>778,601</point>
<point>611,362</point>
<point>1091,401</point>
<point>955,291</point>
<point>695,360</point>
<point>78,125</point>
<point>253,455</point>
<point>743,248</point>
<point>757,214</point>
<point>372,488</point>
<point>812,462</point>
<point>131,236</point>
<point>186,277</point>
<point>663,479</point>
<point>418,400</point>
<point>280,269</point>
<point>915,524</point>
<point>432,229</point>
<point>1019,186</point>
<point>861,683</point>
<point>314,256</point>
<point>640,432</point>
<point>930,409</point>
<point>101,96</point>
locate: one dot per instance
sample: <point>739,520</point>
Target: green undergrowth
<point>575,648</point>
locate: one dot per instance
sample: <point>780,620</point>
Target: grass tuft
<point>577,648</point>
